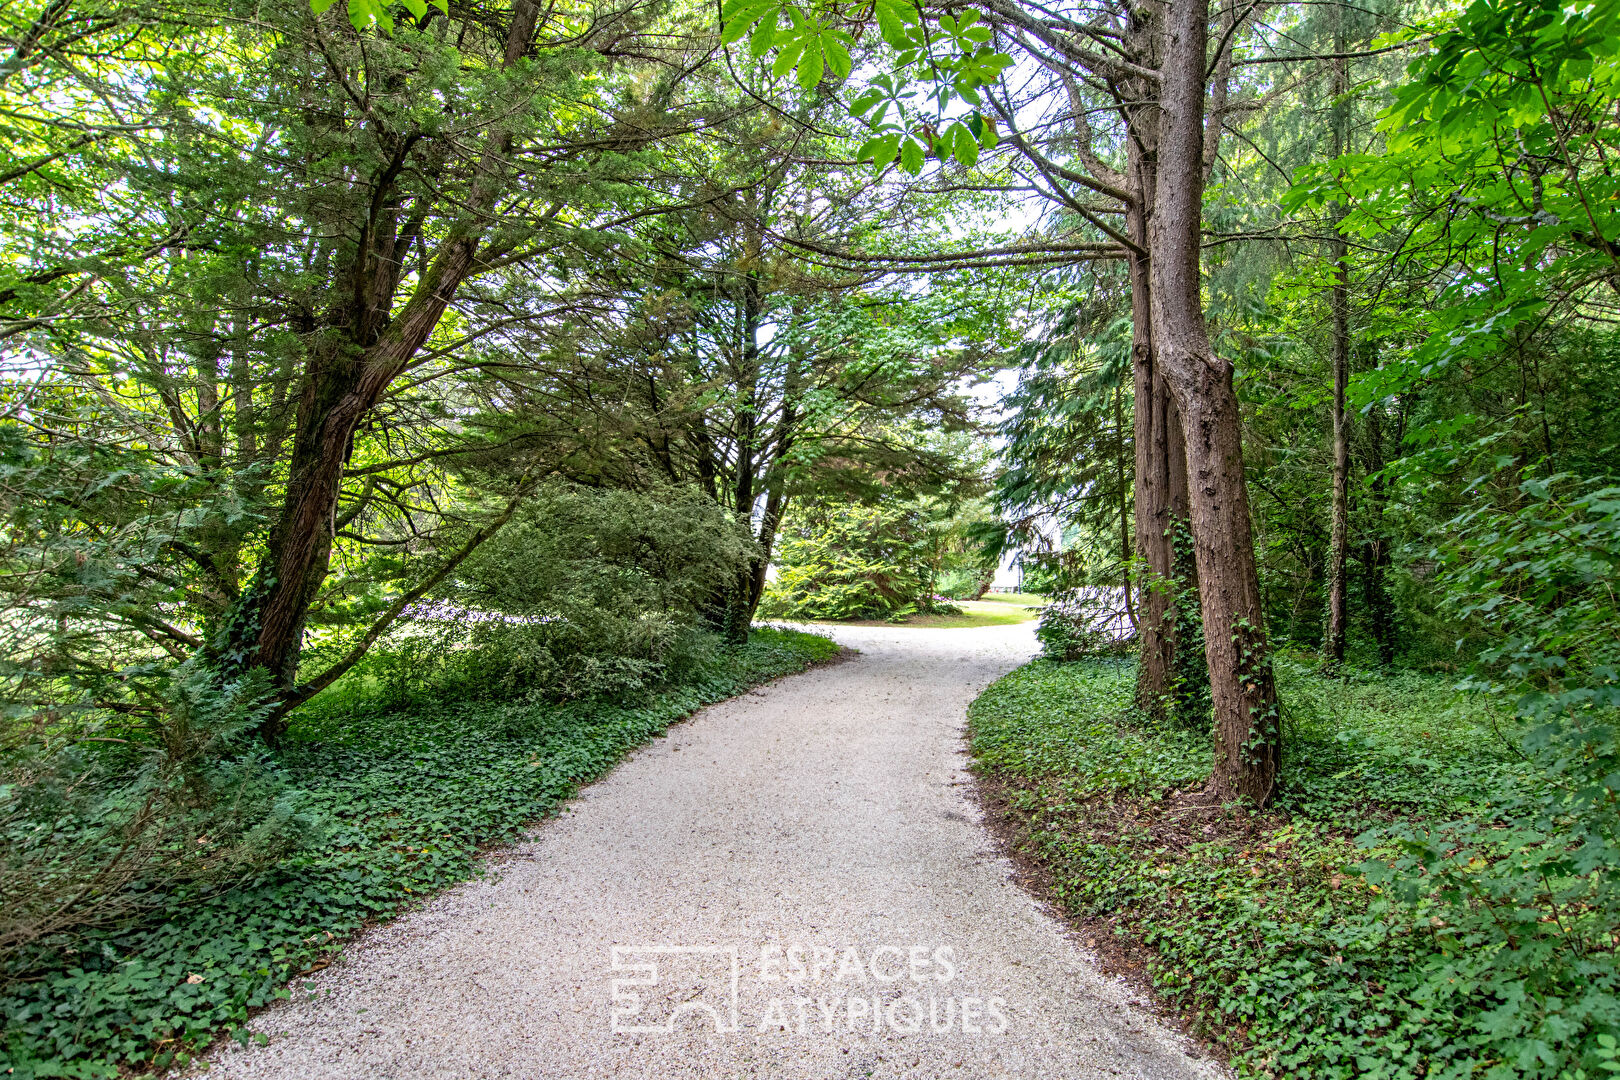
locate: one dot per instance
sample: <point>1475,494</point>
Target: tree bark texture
<point>351,361</point>
<point>1160,484</point>
<point>1161,496</point>
<point>1247,734</point>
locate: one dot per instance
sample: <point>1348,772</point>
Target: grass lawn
<point>399,803</point>
<point>987,612</point>
<point>1028,599</point>
<point>1270,931</point>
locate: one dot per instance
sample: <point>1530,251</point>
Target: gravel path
<point>821,832</point>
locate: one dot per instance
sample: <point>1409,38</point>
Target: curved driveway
<point>794,883</point>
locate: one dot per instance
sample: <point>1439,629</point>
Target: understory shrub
<point>1085,620</point>
<point>588,593</point>
<point>966,583</point>
<point>839,560</point>
<point>101,813</point>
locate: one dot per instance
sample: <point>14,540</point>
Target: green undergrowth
<point>397,805</point>
<point>1301,938</point>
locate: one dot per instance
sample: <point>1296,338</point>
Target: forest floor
<point>790,883</point>
<point>1257,927</point>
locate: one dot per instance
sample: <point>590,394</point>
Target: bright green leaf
<point>786,60</point>
<point>763,38</point>
<point>912,156</point>
<point>811,67</point>
<point>838,59</point>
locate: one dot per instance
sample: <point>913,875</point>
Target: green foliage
<point>1310,938</point>
<point>1069,444</point>
<point>965,583</point>
<point>1060,722</point>
<point>1498,149</point>
<point>365,14</point>
<point>850,561</point>
<point>103,812</point>
<point>1527,897</point>
<point>1084,621</point>
<point>94,545</point>
<point>587,593</point>
<point>885,560</point>
<point>398,805</point>
<point>1536,585</point>
<point>948,62</point>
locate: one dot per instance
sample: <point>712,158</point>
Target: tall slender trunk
<point>349,367</point>
<point>1339,534</point>
<point>740,603</point>
<point>341,386</point>
<point>1127,546</point>
<point>776,499</point>
<point>1161,506</point>
<point>1160,486</point>
<point>1248,746</point>
<point>770,522</point>
<point>1375,558</point>
<point>1152,487</point>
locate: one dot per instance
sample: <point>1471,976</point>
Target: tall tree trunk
<point>1248,747</point>
<point>1161,503</point>
<point>770,521</point>
<point>1151,489</point>
<point>1160,487</point>
<point>342,384</point>
<point>776,500</point>
<point>740,603</point>
<point>1339,534</point>
<point>1375,558</point>
<point>348,370</point>
<point>1127,531</point>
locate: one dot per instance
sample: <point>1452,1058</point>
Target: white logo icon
<point>667,982</point>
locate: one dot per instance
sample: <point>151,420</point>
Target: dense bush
<point>1526,895</point>
<point>394,805</point>
<point>850,561</point>
<point>888,560</point>
<point>99,815</point>
<point>965,583</point>
<point>589,592</point>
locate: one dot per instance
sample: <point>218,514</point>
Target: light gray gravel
<point>826,812</point>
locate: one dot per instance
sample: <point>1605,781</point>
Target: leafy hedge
<point>399,803</point>
<point>1318,939</point>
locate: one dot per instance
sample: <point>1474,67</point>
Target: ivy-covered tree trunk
<point>1248,747</point>
<point>1160,491</point>
<point>1160,486</point>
